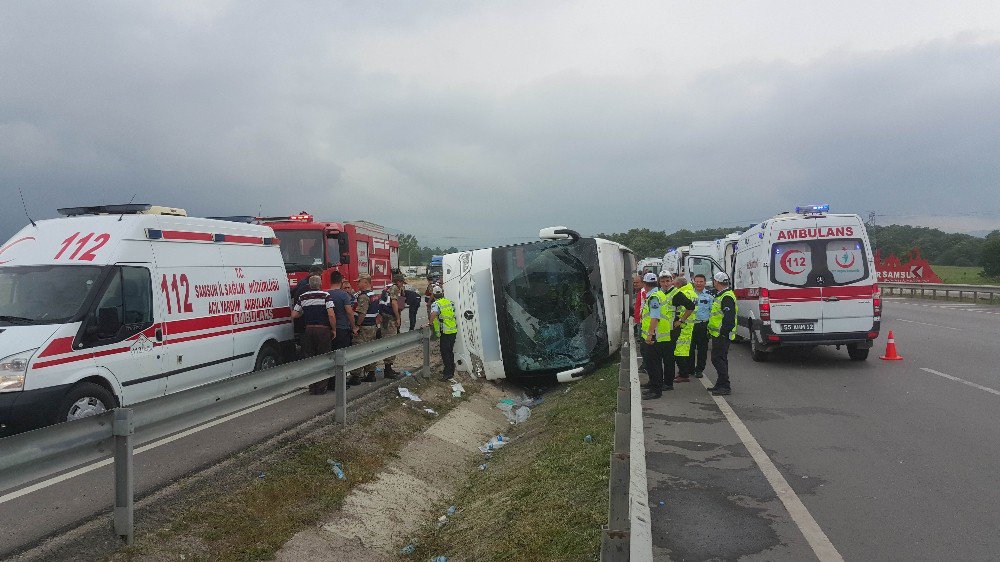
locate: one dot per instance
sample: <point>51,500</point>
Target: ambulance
<point>675,259</point>
<point>804,279</point>
<point>649,265</point>
<point>113,305</point>
<point>540,312</point>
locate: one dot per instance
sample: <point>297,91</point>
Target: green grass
<point>252,519</point>
<point>953,274</point>
<point>544,496</point>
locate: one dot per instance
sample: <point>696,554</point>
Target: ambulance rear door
<point>848,292</point>
<point>796,280</point>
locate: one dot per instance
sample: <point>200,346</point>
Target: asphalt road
<point>30,518</point>
<point>894,460</point>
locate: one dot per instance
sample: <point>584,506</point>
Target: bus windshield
<point>301,249</point>
<point>551,311</point>
<point>45,294</point>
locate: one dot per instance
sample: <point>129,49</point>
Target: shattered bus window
<point>551,311</point>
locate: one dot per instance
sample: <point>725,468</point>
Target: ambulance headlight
<point>12,369</point>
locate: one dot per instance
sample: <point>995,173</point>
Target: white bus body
<point>542,311</point>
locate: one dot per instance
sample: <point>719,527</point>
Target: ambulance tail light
<point>872,335</point>
<point>876,301</point>
<point>765,305</point>
<point>773,338</point>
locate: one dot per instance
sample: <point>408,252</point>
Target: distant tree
<point>990,259</point>
<point>409,250</point>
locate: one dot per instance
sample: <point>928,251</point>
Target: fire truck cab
<point>352,248</point>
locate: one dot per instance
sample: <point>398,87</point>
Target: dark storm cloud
<point>247,107</point>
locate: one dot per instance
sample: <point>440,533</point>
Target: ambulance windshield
<point>45,294</point>
<point>301,249</point>
<point>550,306</point>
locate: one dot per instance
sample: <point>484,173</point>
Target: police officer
<point>686,318</point>
<point>722,328</point>
<point>389,312</point>
<point>365,324</point>
<point>443,310</point>
<point>656,318</point>
<point>699,339</point>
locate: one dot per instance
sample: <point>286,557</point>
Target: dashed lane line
<point>814,535</point>
<point>94,466</point>
<point>963,381</point>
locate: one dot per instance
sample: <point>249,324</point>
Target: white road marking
<point>925,324</point>
<point>810,529</point>
<point>963,381</point>
<point>94,466</point>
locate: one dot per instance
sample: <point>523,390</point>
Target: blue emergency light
<point>813,209</point>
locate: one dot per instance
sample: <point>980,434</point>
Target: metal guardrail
<point>990,293</point>
<point>49,451</point>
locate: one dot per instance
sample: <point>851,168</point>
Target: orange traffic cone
<point>890,350</point>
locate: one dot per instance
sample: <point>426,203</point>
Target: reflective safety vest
<point>666,316</point>
<point>373,308</point>
<point>446,315</point>
<point>683,346</point>
<point>715,315</point>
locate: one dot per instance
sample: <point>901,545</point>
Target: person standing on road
<point>412,305</point>
<point>685,329</point>
<point>655,331</point>
<point>365,324</point>
<point>699,338</point>
<point>722,328</point>
<point>343,306</point>
<point>389,311</point>
<point>316,308</point>
<point>639,299</point>
<point>443,311</point>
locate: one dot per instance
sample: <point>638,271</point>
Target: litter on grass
<point>337,468</point>
<point>452,510</point>
<point>405,393</point>
<point>482,466</point>
<point>408,549</point>
<point>494,444</point>
<point>457,387</point>
<point>588,439</point>
<point>519,410</point>
<point>430,411</point>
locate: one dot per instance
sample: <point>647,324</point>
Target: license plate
<point>804,327</point>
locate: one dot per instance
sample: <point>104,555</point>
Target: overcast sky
<point>474,123</point>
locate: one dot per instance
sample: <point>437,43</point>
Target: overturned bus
<point>542,311</point>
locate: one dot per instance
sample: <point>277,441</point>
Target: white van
<point>805,278</point>
<point>117,304</point>
<point>674,260</point>
<point>546,311</point>
<point>649,265</point>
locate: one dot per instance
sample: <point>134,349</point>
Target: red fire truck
<point>352,248</point>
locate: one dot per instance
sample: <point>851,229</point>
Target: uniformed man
<point>655,332</point>
<point>365,324</point>
<point>699,339</point>
<point>722,328</point>
<point>443,310</point>
<point>389,312</point>
<point>686,318</point>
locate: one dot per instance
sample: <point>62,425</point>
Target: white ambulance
<point>118,304</point>
<point>649,265</point>
<point>804,279</point>
<point>675,258</point>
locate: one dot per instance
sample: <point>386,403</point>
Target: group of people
<point>675,320</point>
<point>339,318</point>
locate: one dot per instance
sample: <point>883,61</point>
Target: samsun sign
<point>915,270</point>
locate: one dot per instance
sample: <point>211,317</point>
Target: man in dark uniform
<point>316,308</point>
<point>722,328</point>
<point>365,324</point>
<point>389,312</point>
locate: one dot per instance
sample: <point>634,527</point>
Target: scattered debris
<point>442,521</point>
<point>457,387</point>
<point>482,466</point>
<point>430,411</point>
<point>337,468</point>
<point>407,374</point>
<point>588,439</point>
<point>261,475</point>
<point>452,510</point>
<point>495,443</point>
<point>662,503</point>
<point>440,559</point>
<point>405,393</point>
<point>408,549</point>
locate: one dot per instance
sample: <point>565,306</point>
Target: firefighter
<point>722,329</point>
<point>444,311</point>
<point>365,324</point>
<point>389,311</point>
<point>682,345</point>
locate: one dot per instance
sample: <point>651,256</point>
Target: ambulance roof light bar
<point>813,210</point>
<point>130,209</point>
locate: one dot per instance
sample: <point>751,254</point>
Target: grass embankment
<point>954,274</point>
<point>252,519</point>
<point>544,496</point>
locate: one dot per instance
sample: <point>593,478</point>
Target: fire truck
<point>352,248</point>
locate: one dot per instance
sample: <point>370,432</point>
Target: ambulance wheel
<point>267,358</point>
<point>856,353</point>
<point>757,352</point>
<point>84,400</point>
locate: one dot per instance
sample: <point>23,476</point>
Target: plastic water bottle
<point>408,549</point>
<point>451,511</point>
<point>337,468</point>
<point>588,439</point>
